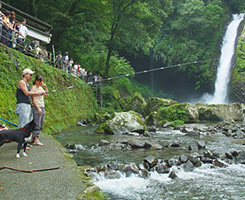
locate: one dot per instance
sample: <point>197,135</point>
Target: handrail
<point>44,24</point>
<point>24,47</point>
<point>31,53</point>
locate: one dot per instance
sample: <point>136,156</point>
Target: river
<point>204,182</point>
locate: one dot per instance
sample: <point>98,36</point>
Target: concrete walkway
<point>64,183</point>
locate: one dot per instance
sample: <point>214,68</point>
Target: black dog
<point>18,135</point>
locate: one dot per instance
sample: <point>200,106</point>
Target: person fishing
<point>39,108</point>
<point>23,108</point>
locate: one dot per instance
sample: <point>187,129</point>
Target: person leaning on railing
<point>17,32</point>
<point>23,33</point>
<point>12,20</point>
<point>1,23</point>
<point>5,28</point>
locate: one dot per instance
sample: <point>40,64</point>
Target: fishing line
<point>133,74</point>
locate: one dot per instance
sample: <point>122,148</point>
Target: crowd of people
<point>13,33</point>
<point>67,64</point>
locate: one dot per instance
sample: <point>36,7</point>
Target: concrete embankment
<point>67,182</point>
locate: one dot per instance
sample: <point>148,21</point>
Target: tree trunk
<point>107,65</point>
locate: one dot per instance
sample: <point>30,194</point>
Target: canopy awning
<point>39,35</point>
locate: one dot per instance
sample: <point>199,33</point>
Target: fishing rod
<point>8,122</point>
<point>133,74</point>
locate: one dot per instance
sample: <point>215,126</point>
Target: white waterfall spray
<point>225,63</point>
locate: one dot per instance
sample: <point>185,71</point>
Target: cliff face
<point>63,108</point>
<point>238,76</point>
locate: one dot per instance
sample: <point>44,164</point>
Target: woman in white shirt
<point>39,108</point>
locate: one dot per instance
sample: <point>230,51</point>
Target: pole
<point>53,53</point>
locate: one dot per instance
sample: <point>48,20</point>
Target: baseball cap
<point>28,71</point>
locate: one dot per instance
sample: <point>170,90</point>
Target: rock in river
<point>136,144</point>
<point>188,166</point>
<point>172,175</point>
<point>151,161</point>
<point>241,157</point>
<point>122,122</point>
<point>112,174</point>
<point>201,144</point>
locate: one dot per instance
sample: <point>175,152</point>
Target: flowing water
<point>225,66</point>
<point>202,183</point>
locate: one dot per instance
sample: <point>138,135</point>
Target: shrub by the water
<point>175,114</point>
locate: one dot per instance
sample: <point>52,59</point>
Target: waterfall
<point>225,63</point>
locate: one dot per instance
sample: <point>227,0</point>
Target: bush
<point>174,113</point>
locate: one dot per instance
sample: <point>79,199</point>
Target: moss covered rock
<point>221,112</point>
<point>122,122</point>
<point>136,103</point>
<point>152,119</point>
<point>192,112</point>
<point>155,103</point>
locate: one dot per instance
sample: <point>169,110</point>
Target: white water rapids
<point>225,63</point>
<point>189,185</point>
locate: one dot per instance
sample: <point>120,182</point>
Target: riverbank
<point>67,182</point>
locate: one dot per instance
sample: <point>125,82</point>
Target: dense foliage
<point>192,33</point>
<point>175,114</point>
<point>176,31</point>
<point>238,82</point>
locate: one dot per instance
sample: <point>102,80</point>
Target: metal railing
<point>12,41</point>
<point>29,47</point>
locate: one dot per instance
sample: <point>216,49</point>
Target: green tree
<point>192,33</point>
<point>133,25</point>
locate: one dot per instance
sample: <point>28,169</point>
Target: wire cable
<point>134,74</point>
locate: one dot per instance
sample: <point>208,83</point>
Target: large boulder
<point>221,112</point>
<point>136,103</point>
<point>192,112</point>
<point>122,122</point>
<point>155,103</point>
<point>151,119</point>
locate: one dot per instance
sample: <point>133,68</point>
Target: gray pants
<point>1,26</point>
<point>24,113</point>
<point>39,119</point>
<point>20,44</point>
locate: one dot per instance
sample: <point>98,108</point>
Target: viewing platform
<point>37,29</point>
